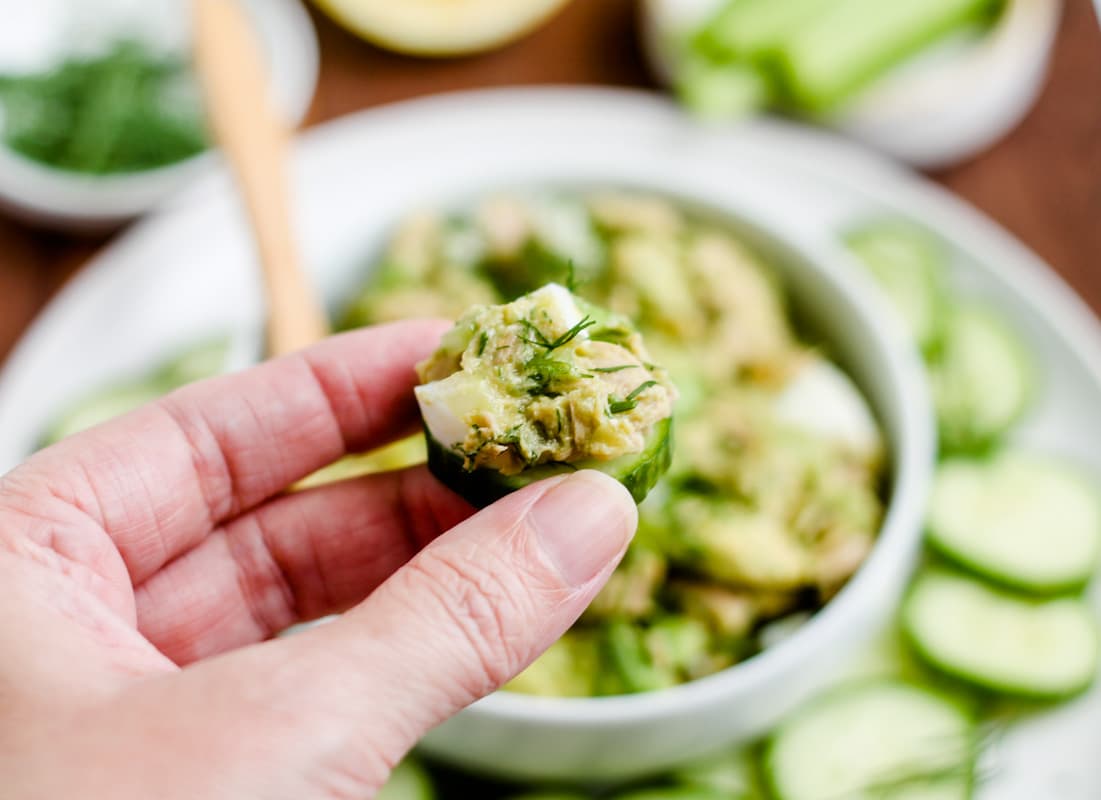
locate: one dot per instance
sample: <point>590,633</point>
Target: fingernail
<point>583,523</point>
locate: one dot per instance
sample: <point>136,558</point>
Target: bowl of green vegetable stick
<point>930,82</point>
<point>100,114</point>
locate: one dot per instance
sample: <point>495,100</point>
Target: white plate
<point>177,277</point>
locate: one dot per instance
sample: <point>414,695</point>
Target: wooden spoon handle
<point>255,142</point>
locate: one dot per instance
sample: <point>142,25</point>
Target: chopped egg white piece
<point>823,399</point>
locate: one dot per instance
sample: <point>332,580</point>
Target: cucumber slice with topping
<point>874,741</point>
<point>408,781</point>
<point>909,267</point>
<point>639,472</point>
<point>1039,649</point>
<point>1024,521</point>
<point>982,381</point>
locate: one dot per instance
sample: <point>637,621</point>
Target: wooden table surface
<point>1043,182</point>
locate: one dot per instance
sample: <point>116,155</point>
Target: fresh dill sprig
<point>620,368</point>
<point>551,345</point>
<point>573,283</point>
<point>544,371</point>
<point>630,402</point>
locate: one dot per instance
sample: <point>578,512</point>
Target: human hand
<point>146,564</point>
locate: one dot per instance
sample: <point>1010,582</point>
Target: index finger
<point>160,479</point>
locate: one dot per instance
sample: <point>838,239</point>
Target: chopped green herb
<point>483,340</point>
<point>620,368</point>
<point>567,337</point>
<point>544,372</point>
<point>630,402</point>
<point>124,111</point>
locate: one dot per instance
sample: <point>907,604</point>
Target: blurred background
<point>1042,181</point>
<point>996,101</point>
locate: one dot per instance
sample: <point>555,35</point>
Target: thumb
<point>465,615</point>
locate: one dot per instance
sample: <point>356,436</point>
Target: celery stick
<point>825,61</point>
<point>747,28</point>
<point>721,91</point>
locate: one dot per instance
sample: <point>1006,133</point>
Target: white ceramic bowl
<point>934,111</point>
<point>181,275</point>
<point>62,199</point>
<point>611,738</point>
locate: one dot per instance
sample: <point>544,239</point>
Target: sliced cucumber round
<point>639,472</point>
<point>676,793</point>
<point>886,739</point>
<point>734,774</point>
<point>103,406</point>
<point>201,361</point>
<point>982,380</point>
<point>1024,521</point>
<point>440,27</point>
<point>908,265</point>
<point>408,781</point>
<point>1039,649</point>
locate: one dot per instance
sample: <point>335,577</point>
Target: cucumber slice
<point>1038,649</point>
<point>873,741</point>
<point>835,53</point>
<point>909,265</point>
<point>103,406</point>
<point>676,793</point>
<point>945,789</point>
<point>982,381</point>
<point>408,781</point>
<point>204,361</point>
<point>733,774</point>
<point>639,472</point>
<point>440,27</point>
<point>1024,521</point>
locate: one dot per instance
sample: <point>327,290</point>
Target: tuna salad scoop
<point>544,385</point>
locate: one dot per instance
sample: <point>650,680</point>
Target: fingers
<point>466,614</point>
<point>296,558</point>
<point>160,479</point>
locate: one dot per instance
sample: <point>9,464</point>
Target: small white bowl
<point>58,198</point>
<point>934,111</point>
<point>612,738</point>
